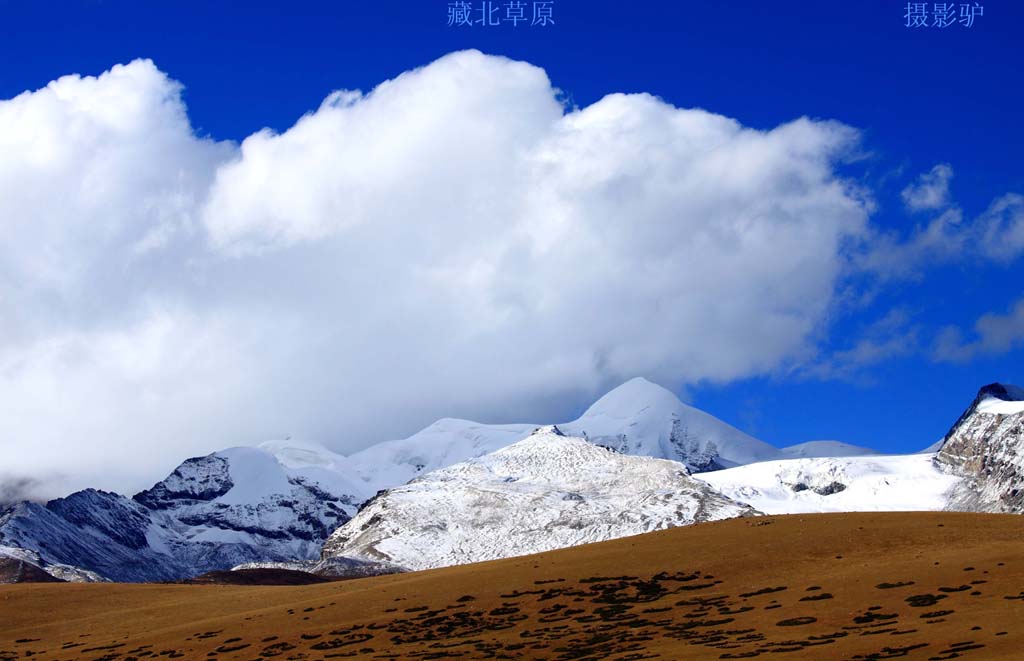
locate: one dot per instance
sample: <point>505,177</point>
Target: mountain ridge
<point>986,448</point>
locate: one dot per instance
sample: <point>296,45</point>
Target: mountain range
<point>458,491</point>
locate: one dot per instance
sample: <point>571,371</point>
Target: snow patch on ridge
<point>996,406</point>
<point>819,449</point>
<point>880,483</point>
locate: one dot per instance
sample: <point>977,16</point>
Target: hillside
<point>545,492</point>
<point>810,585</point>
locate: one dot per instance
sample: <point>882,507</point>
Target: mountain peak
<point>1003,391</point>
<point>995,398</point>
<point>547,430</point>
<point>642,418</point>
<point>984,446</point>
<point>632,397</point>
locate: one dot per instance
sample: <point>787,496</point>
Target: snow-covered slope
<point>548,491</point>
<point>849,484</point>
<point>279,502</point>
<point>446,442</point>
<point>986,447</point>
<point>817,449</point>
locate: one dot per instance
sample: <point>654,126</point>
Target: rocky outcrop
<point>338,567</point>
<point>13,570</point>
<point>22,566</point>
<point>199,479</point>
<point>42,530</point>
<point>986,448</point>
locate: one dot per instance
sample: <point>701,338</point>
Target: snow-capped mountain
<point>986,448</point>
<point>642,418</point>
<point>280,501</point>
<point>545,492</point>
<point>637,418</point>
<point>845,484</point>
<point>275,503</point>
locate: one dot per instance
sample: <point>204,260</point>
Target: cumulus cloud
<point>994,236</point>
<point>930,191</point>
<point>993,334</point>
<point>1000,231</point>
<point>895,335</point>
<point>945,239</point>
<point>452,242</point>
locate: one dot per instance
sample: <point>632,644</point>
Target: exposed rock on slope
<point>986,446</point>
<point>545,492</point>
<point>213,512</point>
<point>333,567</point>
<point>105,533</point>
<point>21,566</point>
<point>19,571</point>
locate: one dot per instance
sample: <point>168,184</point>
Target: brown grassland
<point>824,586</point>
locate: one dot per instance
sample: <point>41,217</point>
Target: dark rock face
<point>987,449</point>
<point>179,528</point>
<point>13,570</point>
<point>60,541</point>
<point>122,520</point>
<point>337,568</point>
<point>830,488</point>
<point>196,479</point>
<point>824,490</point>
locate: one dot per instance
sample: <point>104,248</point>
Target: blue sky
<point>918,97</point>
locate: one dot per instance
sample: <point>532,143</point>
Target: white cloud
<point>995,236</point>
<point>993,334</point>
<point>943,240</point>
<point>93,172</point>
<point>930,191</point>
<point>1000,233</point>
<point>454,242</point>
<point>893,336</point>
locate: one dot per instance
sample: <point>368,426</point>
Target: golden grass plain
<point>820,586</point>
